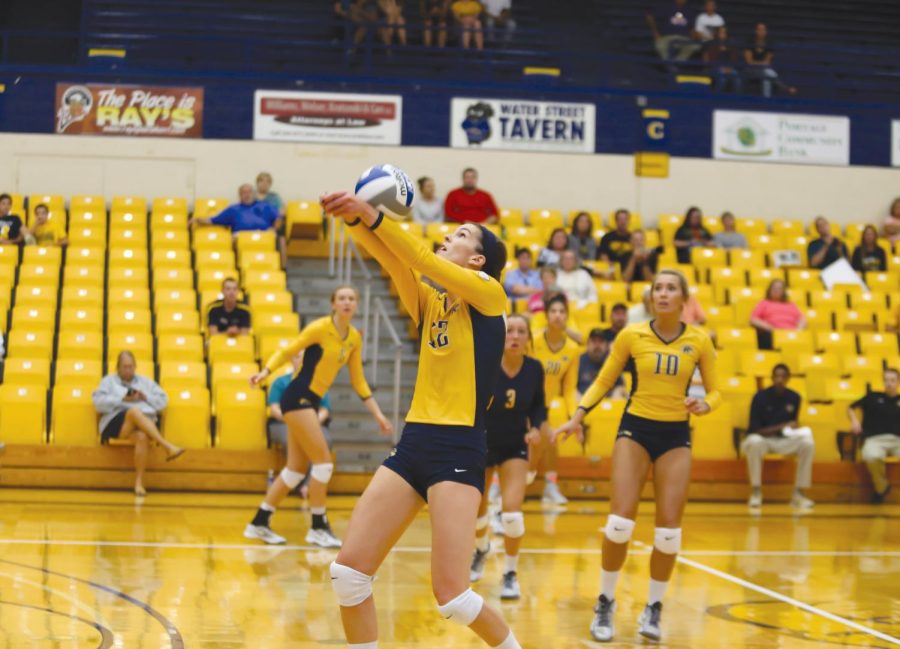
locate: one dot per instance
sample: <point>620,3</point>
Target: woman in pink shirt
<point>775,312</point>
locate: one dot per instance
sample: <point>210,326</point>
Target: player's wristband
<point>378,221</point>
<point>354,224</point>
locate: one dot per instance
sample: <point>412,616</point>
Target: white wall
<point>156,166</point>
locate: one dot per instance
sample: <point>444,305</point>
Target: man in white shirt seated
<point>708,22</point>
<point>576,282</point>
<point>498,20</point>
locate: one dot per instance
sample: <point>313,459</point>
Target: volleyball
<point>388,189</point>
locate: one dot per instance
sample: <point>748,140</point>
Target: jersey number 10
<point>671,364</point>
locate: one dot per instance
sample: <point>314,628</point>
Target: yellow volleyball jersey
<point>324,354</point>
<point>661,371</point>
<point>560,371</point>
<point>461,337</point>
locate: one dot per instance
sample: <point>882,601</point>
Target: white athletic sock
<point>511,563</point>
<point>608,581</point>
<point>496,479</point>
<point>550,476</point>
<point>266,507</point>
<point>318,511</point>
<point>657,591</point>
<point>509,643</point>
<point>530,476</point>
<point>364,645</point>
<point>483,543</point>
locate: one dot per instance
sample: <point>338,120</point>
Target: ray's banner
<point>114,109</point>
<point>653,160</point>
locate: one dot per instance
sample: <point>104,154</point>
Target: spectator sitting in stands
<point>556,245</point>
<point>392,15</point>
<point>827,249</point>
<point>468,204</point>
<point>618,317</point>
<point>758,58</point>
<point>548,282</point>
<point>641,262</point>
<point>723,60</point>
<point>590,363</point>
<point>869,256</point>
<point>498,20</point>
<point>129,405</point>
<point>265,194</point>
<point>773,429</point>
<point>617,243</point>
<point>10,224</point>
<point>776,311</point>
<point>581,239</point>
<point>692,313</point>
<point>729,238</point>
<point>434,19</point>
<point>228,316</point>
<point>673,31</point>
<point>642,312</point>
<point>576,282</point>
<point>248,214</point>
<point>340,15</point>
<point>892,223</point>
<point>364,15</point>
<point>46,231</point>
<point>691,234</point>
<point>427,208</point>
<point>708,23</point>
<point>880,430</point>
<point>523,282</point>
<point>468,15</point>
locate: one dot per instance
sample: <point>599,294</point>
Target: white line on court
<point>796,603</point>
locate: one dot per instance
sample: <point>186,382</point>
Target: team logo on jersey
<point>305,402</point>
<point>789,407</point>
<point>687,349</point>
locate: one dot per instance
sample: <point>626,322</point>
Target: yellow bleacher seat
<point>17,203</point>
<point>415,229</point>
<point>611,292</point>
<point>886,282</point>
<point>880,345</point>
<point>9,255</point>
<point>703,293</point>
<point>860,319</point>
<point>255,241</point>
<point>171,240</point>
<point>727,362</point>
<point>746,259</point>
<point>39,275</point>
<point>42,255</point>
<point>138,343</point>
<point>766,243</point>
<point>128,298</point>
<point>718,317</point>
<point>761,277</point>
<point>209,296</point>
<point>173,278</point>
<point>438,231</point>
<point>726,278</point>
<point>86,256</point>
<point>271,343</point>
<point>167,221</point>
<point>818,370</point>
<point>164,258</point>
<point>127,219</point>
<point>271,301</point>
<point>180,347</point>
<point>214,260</point>
<point>129,203</point>
<point>759,364</point>
<point>602,424</point>
<point>33,318</point>
<point>712,223</point>
<point>787,227</point>
<point>866,368</point>
<point>877,299</point>
<point>711,435</point>
<point>169,204</point>
<point>85,372</point>
<point>27,371</point>
<point>73,421</point>
<point>304,220</point>
<point>258,260</point>
<point>844,391</point>
<point>123,277</point>
<point>128,258</point>
<point>803,278</point>
<point>744,299</point>
<point>175,320</point>
<point>739,392</point>
<point>819,299</point>
<point>231,373</point>
<point>511,217</point>
<point>792,344</point>
<point>737,338</point>
<point>54,202</point>
<point>23,411</point>
<point>545,220</point>
<point>87,217</point>
<point>80,345</point>
<point>281,324</point>
<point>835,342</point>
<point>127,237</point>
<point>185,422</point>
<point>176,298</point>
<point>123,319</point>
<point>824,419</point>
<point>748,226</point>
<point>688,270</point>
<point>176,374</point>
<point>636,291</point>
<point>240,418</point>
<point>211,279</point>
<point>818,319</point>
<point>29,344</point>
<point>212,237</point>
<point>40,296</point>
<point>264,280</point>
<point>228,349</point>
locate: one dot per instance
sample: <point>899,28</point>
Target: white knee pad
<point>322,472</point>
<point>513,524</point>
<point>291,478</point>
<point>618,529</point>
<point>464,608</point>
<point>351,586</point>
<point>667,539</point>
<point>482,522</point>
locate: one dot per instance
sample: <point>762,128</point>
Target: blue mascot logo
<point>477,124</point>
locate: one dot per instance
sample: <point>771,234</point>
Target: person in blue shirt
<point>523,282</point>
<point>248,214</point>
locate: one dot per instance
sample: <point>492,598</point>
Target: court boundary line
<point>786,599</point>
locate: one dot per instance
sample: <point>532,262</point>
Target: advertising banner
<point>113,109</point>
<point>522,125</point>
<point>781,137</point>
<point>327,117</point>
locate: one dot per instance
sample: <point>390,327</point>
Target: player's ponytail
<point>494,252</point>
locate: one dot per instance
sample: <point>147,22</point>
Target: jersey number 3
<point>439,337</point>
<point>510,399</point>
<point>668,367</point>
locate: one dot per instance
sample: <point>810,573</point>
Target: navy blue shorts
<point>497,455</point>
<point>298,396</point>
<point>657,437</point>
<point>428,454</point>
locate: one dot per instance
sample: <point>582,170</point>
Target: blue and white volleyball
<point>388,189</point>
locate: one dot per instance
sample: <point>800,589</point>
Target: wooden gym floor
<point>94,569</point>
